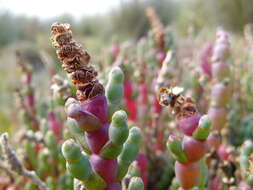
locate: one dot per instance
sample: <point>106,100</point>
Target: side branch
<point>16,165</point>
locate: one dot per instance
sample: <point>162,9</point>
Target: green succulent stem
<point>129,152</point>
<point>175,146</point>
<point>115,90</point>
<point>204,128</point>
<point>79,166</point>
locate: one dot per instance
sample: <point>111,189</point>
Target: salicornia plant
<point>190,166</point>
<point>221,90</point>
<point>110,147</point>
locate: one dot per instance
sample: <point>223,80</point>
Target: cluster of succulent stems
<point>221,88</point>
<point>101,158</point>
<point>190,167</point>
<point>103,150</point>
<point>218,111</point>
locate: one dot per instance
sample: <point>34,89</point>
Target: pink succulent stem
<point>55,125</point>
<point>205,60</point>
<point>115,50</point>
<point>96,139</point>
<point>143,89</point>
<point>129,100</point>
<point>142,164</point>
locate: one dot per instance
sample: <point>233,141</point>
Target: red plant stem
<point>130,102</point>
<point>55,125</point>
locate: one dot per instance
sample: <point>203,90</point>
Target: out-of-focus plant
<point>190,166</point>
<point>246,165</point>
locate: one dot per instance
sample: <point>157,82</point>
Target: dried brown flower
<point>75,61</point>
<point>181,106</point>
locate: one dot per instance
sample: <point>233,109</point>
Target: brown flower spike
<point>75,62</point>
<point>157,27</point>
<point>181,106</point>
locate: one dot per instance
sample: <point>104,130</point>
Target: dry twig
<point>16,165</point>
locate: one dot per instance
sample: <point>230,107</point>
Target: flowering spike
<point>76,62</point>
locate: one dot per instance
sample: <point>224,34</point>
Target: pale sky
<point>51,8</point>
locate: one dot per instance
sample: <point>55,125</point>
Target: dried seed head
<point>83,76</point>
<point>75,61</point>
<point>181,106</point>
<point>156,26</point>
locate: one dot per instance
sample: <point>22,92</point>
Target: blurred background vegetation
<point>126,21</point>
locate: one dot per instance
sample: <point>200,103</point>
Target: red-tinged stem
<point>191,150</point>
<point>55,125</point>
<point>130,102</point>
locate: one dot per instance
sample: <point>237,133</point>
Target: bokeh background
<point>26,25</point>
